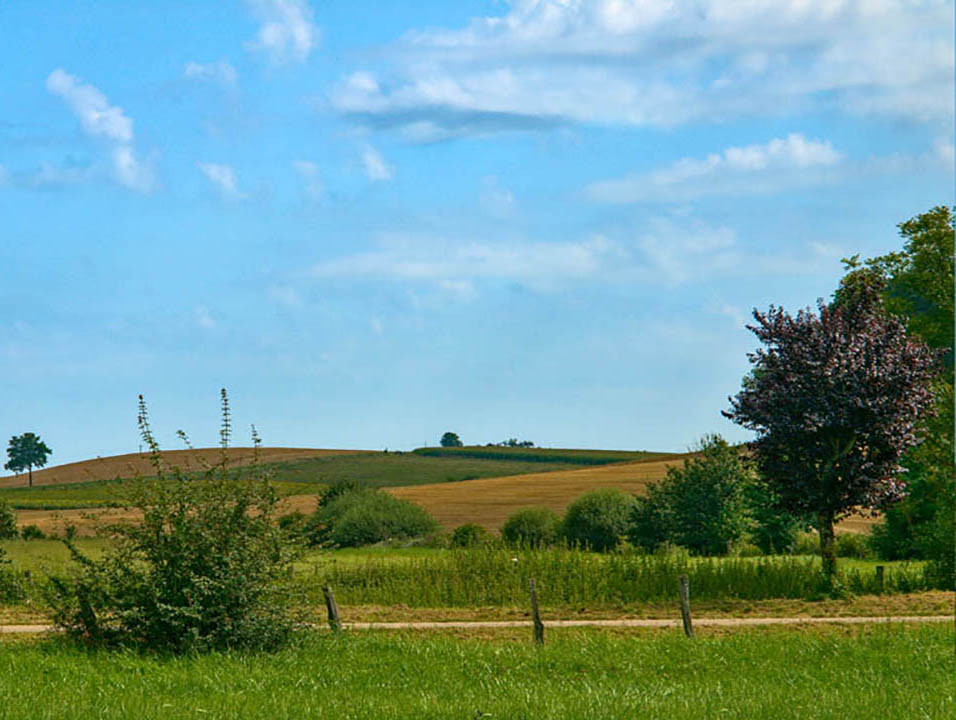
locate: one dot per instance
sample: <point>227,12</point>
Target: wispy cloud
<point>223,178</point>
<point>287,31</point>
<point>313,187</point>
<point>454,266</point>
<point>661,63</point>
<point>220,72</point>
<point>375,166</point>
<point>100,119</point>
<point>750,169</point>
<point>204,318</point>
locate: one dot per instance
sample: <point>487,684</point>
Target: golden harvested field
<point>489,501</point>
<point>109,468</point>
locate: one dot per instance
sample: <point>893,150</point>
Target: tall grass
<point>877,672</point>
<point>494,576</point>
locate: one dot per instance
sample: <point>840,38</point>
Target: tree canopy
<point>835,398</point>
<point>26,452</point>
<point>450,439</point>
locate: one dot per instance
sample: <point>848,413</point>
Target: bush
<point>32,532</point>
<point>470,535</point>
<point>366,516</point>
<point>701,505</point>
<point>597,520</point>
<point>806,543</point>
<point>8,522</point>
<point>11,582</point>
<point>202,569</point>
<point>531,527</point>
<point>853,545</point>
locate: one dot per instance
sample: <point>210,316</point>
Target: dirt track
<point>630,623</point>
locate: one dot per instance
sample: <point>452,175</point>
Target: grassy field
<point>130,465</point>
<point>546,455</point>
<point>297,477</point>
<point>871,672</point>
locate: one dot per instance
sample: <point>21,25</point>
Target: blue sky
<point>375,222</point>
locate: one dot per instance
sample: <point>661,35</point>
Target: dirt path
<point>675,622</point>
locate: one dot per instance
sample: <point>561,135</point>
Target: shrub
<point>701,505</point>
<point>11,582</point>
<point>470,535</point>
<point>806,543</point>
<point>597,520</point>
<point>8,522</point>
<point>531,527</point>
<point>201,570</point>
<point>32,532</point>
<point>366,516</point>
<point>852,545</point>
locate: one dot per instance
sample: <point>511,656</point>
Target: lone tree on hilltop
<point>450,439</point>
<point>26,452</point>
<point>835,399</point>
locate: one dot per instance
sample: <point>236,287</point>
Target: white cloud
<point>757,168</point>
<point>661,63</point>
<point>496,200</point>
<point>945,151</point>
<point>218,72</point>
<point>100,119</point>
<point>130,171</point>
<point>285,295</point>
<point>223,178</point>
<point>91,107</point>
<point>204,319</point>
<point>313,186</point>
<point>375,166</point>
<point>287,31</point>
<point>455,266</point>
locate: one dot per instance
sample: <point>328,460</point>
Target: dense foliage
<point>8,522</point>
<point>470,535</point>
<point>598,520</point>
<point>365,516</point>
<point>202,569</point>
<point>26,452</point>
<point>918,287</point>
<point>712,502</point>
<point>531,527</point>
<point>450,439</point>
<point>835,399</point>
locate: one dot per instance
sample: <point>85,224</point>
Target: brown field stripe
<point>623,623</point>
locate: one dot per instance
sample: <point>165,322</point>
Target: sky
<point>374,222</point>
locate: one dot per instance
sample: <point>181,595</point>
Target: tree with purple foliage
<point>835,399</point>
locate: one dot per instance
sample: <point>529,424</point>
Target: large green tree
<point>917,286</point>
<point>26,452</point>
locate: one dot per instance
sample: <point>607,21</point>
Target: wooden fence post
<point>536,616</point>
<point>334,623</point>
<point>685,605</point>
<point>879,579</point>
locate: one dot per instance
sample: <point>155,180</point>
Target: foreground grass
<point>876,672</point>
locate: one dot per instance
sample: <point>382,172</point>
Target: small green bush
<point>470,535</point>
<point>367,516</point>
<point>598,520</point>
<point>806,543</point>
<point>32,532</point>
<point>8,522</point>
<point>531,527</point>
<point>11,582</point>
<point>853,545</point>
<point>204,569</point>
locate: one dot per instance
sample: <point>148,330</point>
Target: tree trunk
<point>827,546</point>
<point>30,471</point>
